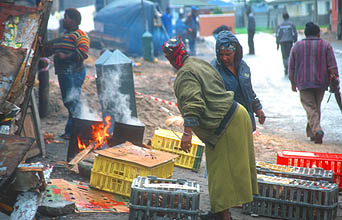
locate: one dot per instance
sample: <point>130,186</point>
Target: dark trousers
<point>311,100</point>
<point>251,42</point>
<point>71,88</point>
<point>285,52</point>
<point>192,46</point>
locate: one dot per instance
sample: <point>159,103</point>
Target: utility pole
<point>316,12</point>
<point>339,19</point>
<point>147,41</point>
<point>144,16</point>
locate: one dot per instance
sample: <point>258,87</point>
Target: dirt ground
<point>154,79</point>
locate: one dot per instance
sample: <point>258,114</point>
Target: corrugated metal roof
<point>276,2</point>
<point>75,3</point>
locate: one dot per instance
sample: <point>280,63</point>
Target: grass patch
<point>243,30</point>
<point>320,26</point>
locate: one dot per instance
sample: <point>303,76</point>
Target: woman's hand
<point>186,139</point>
<point>261,116</point>
<point>186,142</point>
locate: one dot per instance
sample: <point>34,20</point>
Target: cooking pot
<point>133,132</point>
<point>80,128</point>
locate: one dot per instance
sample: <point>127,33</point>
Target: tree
<point>251,2</point>
<point>217,10</point>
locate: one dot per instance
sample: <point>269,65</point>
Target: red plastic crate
<point>327,161</point>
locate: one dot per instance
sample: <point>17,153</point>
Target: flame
<point>99,135</point>
<point>80,145</point>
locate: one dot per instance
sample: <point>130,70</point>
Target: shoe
<point>209,216</point>
<point>65,136</point>
<point>319,137</point>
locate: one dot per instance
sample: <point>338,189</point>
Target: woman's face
<point>226,56</point>
<point>172,61</point>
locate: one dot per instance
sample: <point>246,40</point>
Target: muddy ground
<point>154,79</point>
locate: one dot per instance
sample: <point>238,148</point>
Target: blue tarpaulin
<point>124,21</point>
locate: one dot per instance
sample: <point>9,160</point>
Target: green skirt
<point>231,167</point>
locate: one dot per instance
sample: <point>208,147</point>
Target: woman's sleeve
<point>189,97</point>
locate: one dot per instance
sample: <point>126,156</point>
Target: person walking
<point>221,123</point>
<point>180,26</point>
<point>251,32</point>
<point>192,28</point>
<point>166,19</point>
<point>236,74</point>
<point>286,35</point>
<point>69,51</point>
<point>312,66</point>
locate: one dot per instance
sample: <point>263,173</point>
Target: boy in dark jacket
<point>286,35</point>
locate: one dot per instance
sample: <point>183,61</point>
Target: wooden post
<point>36,123</point>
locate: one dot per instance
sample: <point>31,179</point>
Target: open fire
<point>99,135</point>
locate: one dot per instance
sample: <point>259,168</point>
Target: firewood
<point>81,155</point>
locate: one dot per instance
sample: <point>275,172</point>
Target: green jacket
<point>202,98</point>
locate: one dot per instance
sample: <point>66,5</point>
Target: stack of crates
<point>114,174</point>
<point>164,199</point>
<point>170,141</point>
<point>294,199</point>
<point>314,174</point>
<point>327,161</point>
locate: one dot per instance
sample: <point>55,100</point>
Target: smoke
<point>82,110</point>
<point>113,100</point>
<point>88,113</point>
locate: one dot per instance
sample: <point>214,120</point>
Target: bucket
<point>133,133</point>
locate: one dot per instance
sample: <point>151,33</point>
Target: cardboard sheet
<point>139,155</point>
<point>86,199</point>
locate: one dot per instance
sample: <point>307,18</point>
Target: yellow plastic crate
<point>166,140</point>
<point>116,176</point>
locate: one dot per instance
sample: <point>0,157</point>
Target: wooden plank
<point>44,14</point>
<point>12,151</point>
<point>29,131</point>
<point>28,128</point>
<point>33,152</point>
<point>36,123</point>
<point>29,169</point>
<point>81,155</point>
<point>31,128</point>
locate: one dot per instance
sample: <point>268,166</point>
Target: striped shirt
<point>309,63</point>
<point>75,42</point>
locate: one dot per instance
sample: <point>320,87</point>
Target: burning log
<point>98,139</point>
<point>81,155</point>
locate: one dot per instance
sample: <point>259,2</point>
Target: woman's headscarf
<point>174,50</point>
<point>227,40</point>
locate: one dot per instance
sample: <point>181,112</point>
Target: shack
<point>22,29</point>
